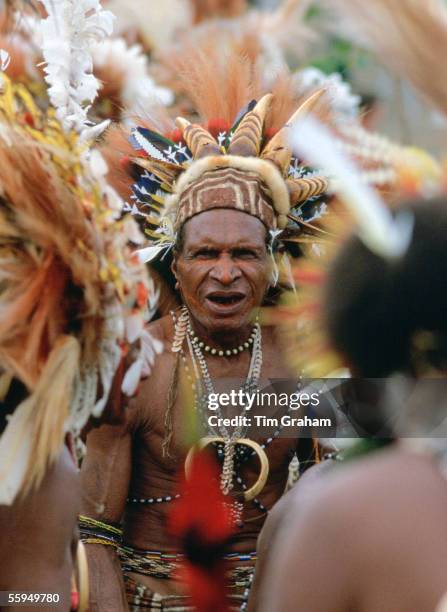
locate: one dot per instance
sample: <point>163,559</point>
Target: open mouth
<point>223,299</point>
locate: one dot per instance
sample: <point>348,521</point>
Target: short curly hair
<point>373,307</point>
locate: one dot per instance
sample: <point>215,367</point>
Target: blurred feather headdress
<point>73,297</point>
<point>409,36</point>
<point>247,140</point>
<point>361,209</point>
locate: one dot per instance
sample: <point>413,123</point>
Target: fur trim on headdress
<point>220,83</point>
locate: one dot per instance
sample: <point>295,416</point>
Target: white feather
<point>5,58</point>
<point>91,133</point>
<point>139,90</point>
<point>134,326</point>
<point>150,348</point>
<point>15,448</point>
<point>383,235</point>
<point>148,146</point>
<point>132,378</point>
<point>150,253</point>
<point>68,35</point>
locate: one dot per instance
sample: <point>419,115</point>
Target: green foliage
<point>340,55</point>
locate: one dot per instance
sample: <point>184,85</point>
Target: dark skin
<point>223,273</point>
<point>223,255</point>
<point>39,536</point>
<point>371,537</point>
<point>277,524</point>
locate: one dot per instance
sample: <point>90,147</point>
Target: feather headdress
<point>171,165</point>
<point>73,297</point>
<point>124,73</point>
<point>360,209</point>
<point>238,126</point>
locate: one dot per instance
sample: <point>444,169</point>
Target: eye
<point>205,254</point>
<point>245,254</point>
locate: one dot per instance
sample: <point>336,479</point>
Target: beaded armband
<point>97,532</point>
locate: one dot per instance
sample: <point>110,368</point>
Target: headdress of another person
<point>73,297</point>
<point>386,238</point>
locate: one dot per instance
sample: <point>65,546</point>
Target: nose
<point>225,271</point>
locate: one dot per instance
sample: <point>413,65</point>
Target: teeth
<point>220,299</point>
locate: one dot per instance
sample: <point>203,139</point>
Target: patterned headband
<point>226,188</point>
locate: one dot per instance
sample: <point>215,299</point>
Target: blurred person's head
<point>390,315</point>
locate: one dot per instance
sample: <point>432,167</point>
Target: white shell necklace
<point>204,386</point>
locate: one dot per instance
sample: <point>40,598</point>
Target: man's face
<point>223,268</point>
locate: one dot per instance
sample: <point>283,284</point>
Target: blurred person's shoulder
<point>389,474</point>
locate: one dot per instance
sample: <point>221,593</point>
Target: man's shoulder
<point>369,487</point>
<point>162,329</point>
<point>153,386</point>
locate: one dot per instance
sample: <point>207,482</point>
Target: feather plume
<point>385,236</point>
<point>124,73</point>
<point>117,150</point>
<point>141,140</point>
<point>68,279</point>
<point>219,71</point>
<point>37,428</point>
<point>409,36</point>
<point>210,70</point>
<point>68,35</point>
<point>208,9</point>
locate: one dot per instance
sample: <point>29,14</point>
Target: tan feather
<point>165,171</point>
<point>199,141</point>
<point>209,9</point>
<point>35,434</point>
<point>214,72</point>
<point>47,249</point>
<point>114,147</point>
<point>247,138</point>
<point>302,189</point>
<point>277,149</point>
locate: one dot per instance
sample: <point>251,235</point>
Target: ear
<point>174,272</point>
<point>174,267</point>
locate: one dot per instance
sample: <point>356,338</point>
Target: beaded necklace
<point>203,387</point>
<point>221,352</point>
<point>207,388</point>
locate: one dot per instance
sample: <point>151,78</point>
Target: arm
<point>105,477</point>
<point>263,549</point>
